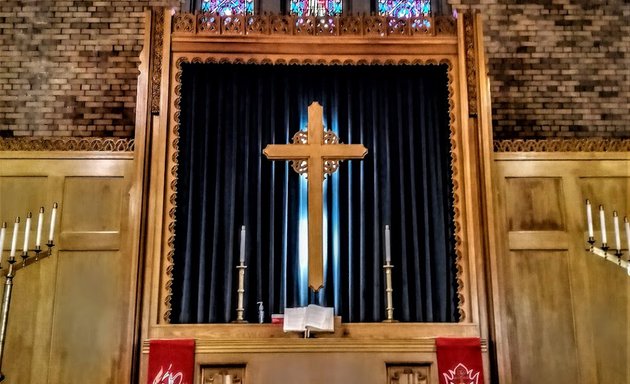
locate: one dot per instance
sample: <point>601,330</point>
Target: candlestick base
<point>390,321</point>
<point>240,322</point>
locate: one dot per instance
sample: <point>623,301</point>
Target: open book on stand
<point>312,318</point>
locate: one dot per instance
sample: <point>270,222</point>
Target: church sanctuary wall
<point>561,312</point>
<point>558,68</point>
<point>356,351</point>
<point>72,315</point>
<point>70,68</point>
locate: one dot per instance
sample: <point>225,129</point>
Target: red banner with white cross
<point>459,360</point>
<point>171,361</point>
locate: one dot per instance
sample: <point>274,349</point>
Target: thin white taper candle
<point>616,227</point>
<point>388,255</point>
<point>53,218</point>
<point>27,231</point>
<point>589,219</point>
<point>242,250</point>
<point>40,224</point>
<point>16,226</point>
<point>3,233</point>
<point>627,225</point>
<point>602,223</point>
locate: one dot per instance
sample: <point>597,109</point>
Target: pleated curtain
<point>230,112</point>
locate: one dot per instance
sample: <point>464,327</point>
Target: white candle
<point>3,233</point>
<point>40,224</point>
<point>616,226</point>
<point>53,217</point>
<point>602,223</point>
<point>388,255</point>
<point>27,231</point>
<point>627,225</point>
<point>242,253</point>
<point>14,239</point>
<point>589,219</point>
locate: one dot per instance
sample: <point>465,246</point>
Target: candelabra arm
<point>6,302</point>
<point>603,253</point>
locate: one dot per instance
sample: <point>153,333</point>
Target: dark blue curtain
<point>230,112</point>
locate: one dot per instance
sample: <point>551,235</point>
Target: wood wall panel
<point>32,194</point>
<point>541,317</point>
<point>565,310</point>
<point>92,204</point>
<point>72,316</point>
<point>89,316</point>
<point>527,210</point>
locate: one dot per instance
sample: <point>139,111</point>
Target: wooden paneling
<point>92,204</point>
<point>89,315</point>
<point>527,210</point>
<point>71,316</point>
<point>541,318</point>
<point>31,191</point>
<point>565,310</point>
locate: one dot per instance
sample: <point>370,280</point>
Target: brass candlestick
<point>389,309</point>
<point>241,291</point>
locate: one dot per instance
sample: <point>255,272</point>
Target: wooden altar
<point>359,352</point>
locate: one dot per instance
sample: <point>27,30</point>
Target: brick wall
<point>558,67</point>
<point>69,68</point>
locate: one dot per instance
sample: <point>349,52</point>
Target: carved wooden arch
<point>354,40</point>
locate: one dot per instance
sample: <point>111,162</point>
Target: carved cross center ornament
<point>315,152</point>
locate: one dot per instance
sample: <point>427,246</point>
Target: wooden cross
<point>315,152</point>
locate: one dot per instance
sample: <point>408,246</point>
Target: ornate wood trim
<point>210,24</point>
<point>172,165</point>
<point>157,31</point>
<point>471,63</point>
<point>96,144</point>
<point>562,145</point>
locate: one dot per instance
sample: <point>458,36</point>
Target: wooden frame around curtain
<point>356,40</point>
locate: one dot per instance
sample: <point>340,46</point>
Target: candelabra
<point>14,266</point>
<point>602,251</point>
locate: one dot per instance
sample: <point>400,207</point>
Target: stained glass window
<point>316,7</point>
<point>228,7</point>
<point>404,8</point>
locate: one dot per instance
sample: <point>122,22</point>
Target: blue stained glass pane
<point>404,8</point>
<point>334,7</point>
<point>299,7</point>
<point>228,7</point>
<point>316,7</point>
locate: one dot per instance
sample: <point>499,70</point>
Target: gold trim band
<point>96,144</point>
<point>562,145</point>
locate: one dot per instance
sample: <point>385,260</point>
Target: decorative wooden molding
<point>408,373</point>
<point>156,58</point>
<point>471,62</point>
<point>217,374</point>
<point>562,145</point>
<point>211,24</point>
<point>167,269</point>
<point>95,144</point>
